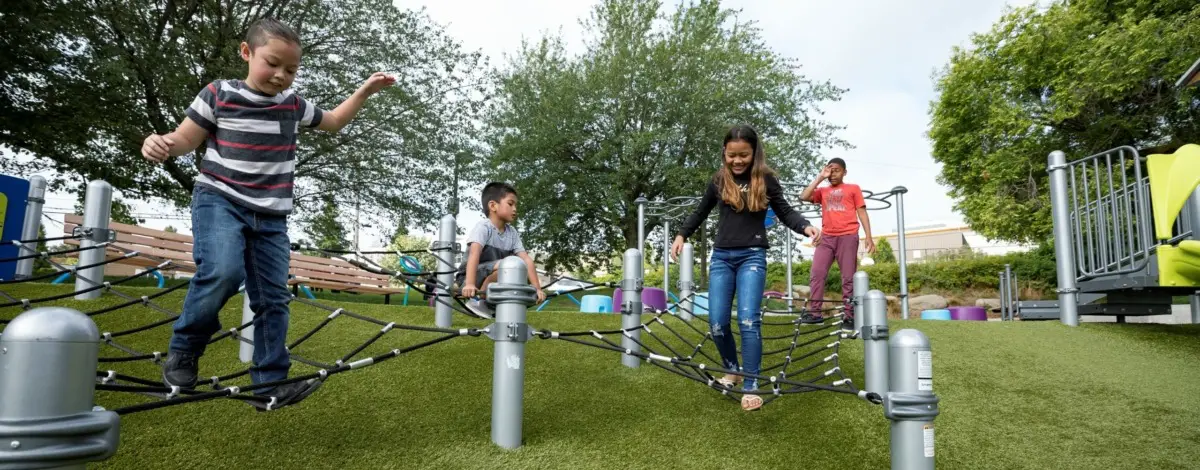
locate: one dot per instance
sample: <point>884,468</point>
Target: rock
<point>801,291</point>
<point>927,302</point>
<point>892,299</point>
<point>989,304</point>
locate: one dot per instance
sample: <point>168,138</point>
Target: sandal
<point>730,380</point>
<point>751,402</point>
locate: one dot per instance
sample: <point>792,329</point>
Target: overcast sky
<point>884,52</point>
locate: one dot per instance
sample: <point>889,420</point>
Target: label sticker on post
<point>924,385</point>
<point>924,364</point>
<point>928,434</point>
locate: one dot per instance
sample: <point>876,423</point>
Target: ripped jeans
<point>742,271</point>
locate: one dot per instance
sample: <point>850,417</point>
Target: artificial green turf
<point>1013,395</point>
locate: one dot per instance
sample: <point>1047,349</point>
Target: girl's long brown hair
<point>756,198</point>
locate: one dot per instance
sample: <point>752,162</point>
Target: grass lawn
<point>1013,395</point>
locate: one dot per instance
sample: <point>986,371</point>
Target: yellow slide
<point>1173,177</point>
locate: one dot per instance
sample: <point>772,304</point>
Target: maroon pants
<point>843,248</point>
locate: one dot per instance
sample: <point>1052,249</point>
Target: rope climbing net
<point>797,357</point>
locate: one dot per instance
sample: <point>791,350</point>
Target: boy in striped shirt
<point>241,201</point>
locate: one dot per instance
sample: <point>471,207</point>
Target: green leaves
<point>82,83</point>
<point>641,111</point>
<point>1081,77</point>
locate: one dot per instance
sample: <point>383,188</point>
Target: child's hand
<point>826,172</point>
<point>157,148</point>
<point>470,291</point>
<point>378,81</point>
<point>541,296</point>
<point>870,246</point>
<point>813,233</point>
<point>676,247</point>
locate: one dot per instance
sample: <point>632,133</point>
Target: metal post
<point>686,284</point>
<point>444,252</point>
<point>875,335</point>
<point>33,220</point>
<point>1014,293</point>
<point>789,239</point>
<point>1194,301</point>
<point>246,350</point>
<point>900,191</point>
<point>910,402</point>
<point>1064,253</point>
<point>97,208</point>
<point>641,208</point>
<point>631,308</point>
<point>47,381</point>
<point>1005,291</point>
<point>667,258</point>
<point>861,284</point>
<point>512,295</point>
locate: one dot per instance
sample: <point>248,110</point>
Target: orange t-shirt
<point>839,208</point>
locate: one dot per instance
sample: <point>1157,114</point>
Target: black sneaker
<point>848,323</point>
<point>811,319</point>
<point>285,395</point>
<point>180,370</point>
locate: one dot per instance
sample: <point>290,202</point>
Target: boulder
<point>927,302</point>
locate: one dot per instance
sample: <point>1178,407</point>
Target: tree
<point>641,112</point>
<point>323,229</point>
<point>83,82</point>
<point>409,243</point>
<point>883,252</point>
<point>171,229</point>
<point>1082,76</point>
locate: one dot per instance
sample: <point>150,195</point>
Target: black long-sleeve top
<point>743,229</point>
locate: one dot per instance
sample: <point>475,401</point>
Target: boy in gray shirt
<point>492,240</point>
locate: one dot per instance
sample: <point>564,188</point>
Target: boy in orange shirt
<point>842,207</point>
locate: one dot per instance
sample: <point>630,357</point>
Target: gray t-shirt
<point>486,234</point>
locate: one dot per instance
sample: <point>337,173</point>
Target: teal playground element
<point>937,314</point>
<point>596,304</point>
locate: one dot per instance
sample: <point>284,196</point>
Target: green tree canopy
<point>82,83</point>
<point>323,229</point>
<point>883,252</point>
<point>641,111</point>
<point>1082,76</point>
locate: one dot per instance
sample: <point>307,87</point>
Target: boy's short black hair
<point>838,161</point>
<point>263,29</point>
<point>495,191</point>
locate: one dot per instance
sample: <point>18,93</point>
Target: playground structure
<point>672,210</point>
<point>1126,234</point>
<point>60,347</point>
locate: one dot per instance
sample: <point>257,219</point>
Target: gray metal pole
<point>246,350</point>
<point>33,220</point>
<point>861,285</point>
<point>443,314</point>
<point>641,208</point>
<point>512,294</point>
<point>1193,205</point>
<point>875,335</point>
<point>789,239</point>
<point>667,259</point>
<point>910,402</point>
<point>1010,284</point>
<point>631,308</point>
<point>47,381</point>
<point>1005,290</point>
<point>900,191</point>
<point>97,208</point>
<point>1064,253</point>
<point>687,286</point>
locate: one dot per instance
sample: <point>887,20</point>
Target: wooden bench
<point>304,270</point>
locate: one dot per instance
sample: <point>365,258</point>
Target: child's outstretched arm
<point>706,204</point>
<point>334,121</point>
<point>188,136</point>
<point>865,220</point>
<point>534,280</point>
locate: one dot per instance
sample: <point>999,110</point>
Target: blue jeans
<point>232,244</point>
<point>744,271</point>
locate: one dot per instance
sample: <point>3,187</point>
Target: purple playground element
<point>968,313</point>
<point>651,298</point>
